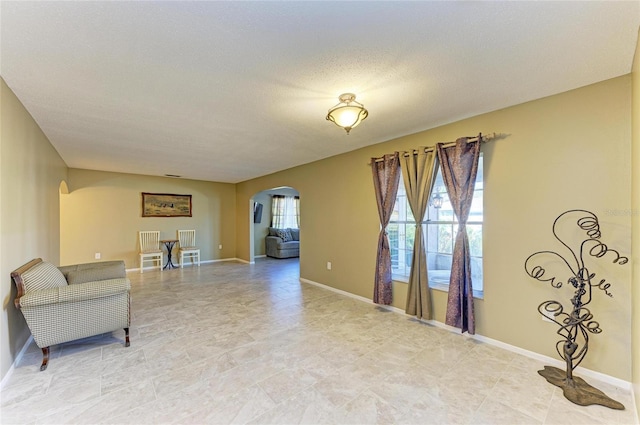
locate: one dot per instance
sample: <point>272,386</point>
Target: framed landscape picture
<point>165,205</point>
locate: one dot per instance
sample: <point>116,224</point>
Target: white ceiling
<point>228,91</point>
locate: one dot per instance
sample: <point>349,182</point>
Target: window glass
<point>439,229</point>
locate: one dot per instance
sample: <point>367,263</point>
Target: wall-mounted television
<point>257,212</point>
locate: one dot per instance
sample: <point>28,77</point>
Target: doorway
<point>261,219</point>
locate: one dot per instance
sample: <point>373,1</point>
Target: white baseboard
<point>243,261</point>
<point>6,377</point>
<point>220,260</point>
<point>340,291</point>
<point>137,269</point>
<point>260,256</point>
<point>620,383</point>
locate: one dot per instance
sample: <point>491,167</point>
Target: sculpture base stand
<point>577,390</point>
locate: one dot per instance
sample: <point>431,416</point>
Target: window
<point>439,229</point>
<point>285,212</point>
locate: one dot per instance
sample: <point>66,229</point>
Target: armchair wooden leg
<point>45,358</point>
<point>126,337</point>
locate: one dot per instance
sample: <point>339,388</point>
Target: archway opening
<point>273,210</point>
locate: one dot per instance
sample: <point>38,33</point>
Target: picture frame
<point>166,205</point>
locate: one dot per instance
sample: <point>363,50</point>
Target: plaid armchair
<point>72,302</point>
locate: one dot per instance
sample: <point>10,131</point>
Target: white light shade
<point>348,113</point>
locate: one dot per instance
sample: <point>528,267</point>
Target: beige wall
<point>571,150</point>
<point>103,213</point>
<point>30,175</point>
<point>563,152</point>
<point>635,203</point>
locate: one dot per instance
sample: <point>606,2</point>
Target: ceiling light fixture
<point>348,113</point>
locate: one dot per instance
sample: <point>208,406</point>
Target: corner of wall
<point>30,170</point>
<point>635,225</point>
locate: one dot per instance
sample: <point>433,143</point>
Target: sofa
<point>62,304</point>
<point>283,243</point>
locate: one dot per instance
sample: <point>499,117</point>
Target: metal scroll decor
<point>575,324</point>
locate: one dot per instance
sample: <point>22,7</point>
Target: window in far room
<point>285,212</point>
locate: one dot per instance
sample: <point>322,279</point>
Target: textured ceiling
<point>228,91</point>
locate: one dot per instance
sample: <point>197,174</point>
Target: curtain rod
<point>483,139</point>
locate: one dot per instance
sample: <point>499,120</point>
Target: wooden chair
<point>150,249</point>
<point>187,246</point>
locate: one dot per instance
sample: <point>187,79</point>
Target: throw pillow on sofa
<point>284,234</point>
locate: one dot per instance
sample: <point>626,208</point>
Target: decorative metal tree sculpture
<point>577,324</point>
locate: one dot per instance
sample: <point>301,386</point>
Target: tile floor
<point>232,343</point>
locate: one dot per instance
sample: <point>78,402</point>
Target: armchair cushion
<point>95,289</point>
<point>43,276</point>
<point>108,271</point>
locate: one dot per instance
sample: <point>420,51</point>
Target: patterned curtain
<point>418,171</point>
<point>386,177</point>
<point>459,165</point>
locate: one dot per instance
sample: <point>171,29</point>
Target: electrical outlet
<point>220,246</point>
<point>328,265</point>
<point>98,256</point>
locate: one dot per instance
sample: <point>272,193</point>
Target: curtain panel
<point>459,164</point>
<point>386,177</point>
<point>418,171</point>
<point>285,212</point>
<point>277,208</point>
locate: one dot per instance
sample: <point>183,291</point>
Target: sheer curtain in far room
<point>285,212</point>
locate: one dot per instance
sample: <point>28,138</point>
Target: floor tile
<point>231,343</point>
